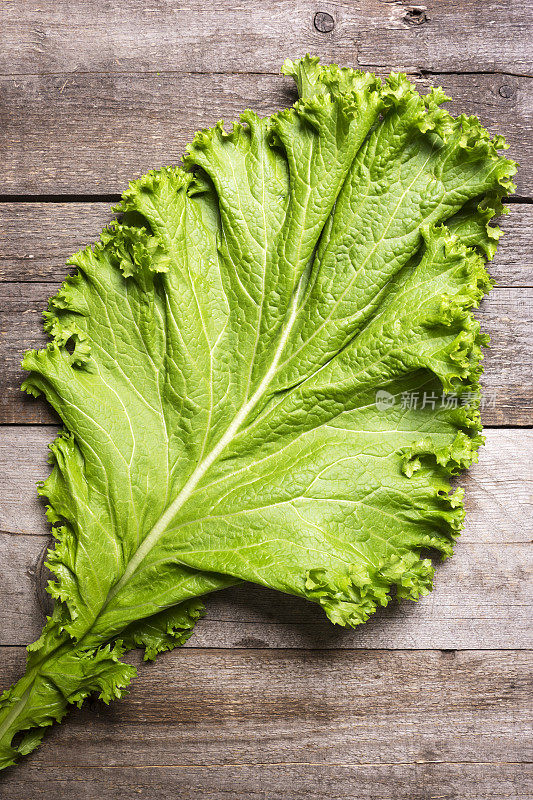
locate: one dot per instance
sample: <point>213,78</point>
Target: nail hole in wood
<point>415,16</point>
<point>448,652</point>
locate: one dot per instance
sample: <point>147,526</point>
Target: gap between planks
<point>513,199</point>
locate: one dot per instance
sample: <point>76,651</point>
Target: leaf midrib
<point>152,538</point>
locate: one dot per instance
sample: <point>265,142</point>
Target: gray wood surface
<point>268,701</point>
<point>499,489</point>
<point>83,132</point>
<point>480,598</point>
<point>37,238</point>
<point>507,315</point>
<point>421,780</point>
<point>265,724</point>
<point>234,36</point>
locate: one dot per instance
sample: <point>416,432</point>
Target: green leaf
<point>236,363</point>
<point>58,673</point>
<point>164,631</point>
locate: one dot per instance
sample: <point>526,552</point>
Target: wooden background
<point>268,700</point>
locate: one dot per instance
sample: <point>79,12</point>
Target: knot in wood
<point>506,91</point>
<point>324,22</point>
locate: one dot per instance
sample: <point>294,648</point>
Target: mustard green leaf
<point>268,371</point>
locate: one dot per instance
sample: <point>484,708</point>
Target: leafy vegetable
<point>230,362</point>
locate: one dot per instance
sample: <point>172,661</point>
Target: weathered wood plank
<point>499,490</point>
<point>37,238</point>
<point>506,315</point>
<point>480,600</point>
<point>229,36</point>
<point>271,709</point>
<point>317,781</point>
<point>91,133</point>
<point>480,597</point>
<point>84,110</point>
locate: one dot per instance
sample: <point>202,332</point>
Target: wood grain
<point>269,701</point>
<point>323,781</point>
<point>508,381</point>
<point>85,133</point>
<point>37,238</point>
<point>230,36</point>
<point>480,598</point>
<point>250,724</point>
<point>499,489</point>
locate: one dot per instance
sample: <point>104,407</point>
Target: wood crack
<point>410,71</point>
